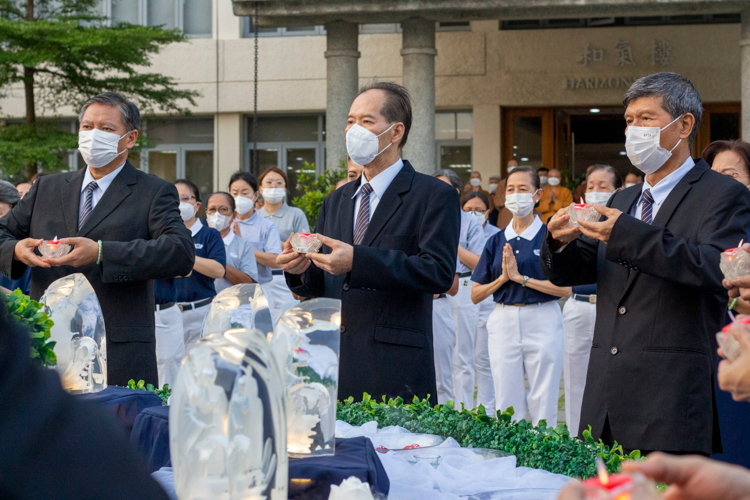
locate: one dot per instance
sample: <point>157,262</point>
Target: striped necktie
<point>88,204</point>
<point>647,206</point>
<point>363,217</point>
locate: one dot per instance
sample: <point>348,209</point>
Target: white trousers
<point>192,323</point>
<point>485,384</point>
<point>527,340</point>
<point>170,344</point>
<point>443,343</point>
<point>466,315</point>
<point>579,319</point>
<point>283,300</point>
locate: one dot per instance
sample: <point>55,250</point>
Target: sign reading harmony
<point>659,54</point>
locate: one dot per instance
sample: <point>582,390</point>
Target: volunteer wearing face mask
<point>525,327</point>
<point>390,241</point>
<point>501,216</point>
<point>554,197</point>
<point>632,179</point>
<point>241,266</point>
<point>543,177</point>
<point>465,313</point>
<point>194,293</point>
<point>475,184</point>
<point>655,260</point>
<point>288,220</point>
<point>476,204</point>
<point>124,226</point>
<point>579,313</point>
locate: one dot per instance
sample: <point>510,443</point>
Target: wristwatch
<point>525,279</point>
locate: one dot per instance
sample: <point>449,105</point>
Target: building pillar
<point>485,144</point>
<point>228,145</point>
<point>745,74</point>
<point>342,85</point>
<point>419,53</point>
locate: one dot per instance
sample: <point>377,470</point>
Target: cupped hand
<point>339,261</point>
<point>85,251</point>
<point>24,252</point>
<point>601,230</point>
<point>290,261</point>
<point>734,376</point>
<point>558,228</point>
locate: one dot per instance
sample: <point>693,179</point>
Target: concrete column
<point>419,79</point>
<point>485,144</point>
<point>745,74</point>
<point>228,154</point>
<point>342,85</point>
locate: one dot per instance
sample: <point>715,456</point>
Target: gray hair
<point>451,175</point>
<point>9,194</point>
<point>129,113</point>
<point>677,93</point>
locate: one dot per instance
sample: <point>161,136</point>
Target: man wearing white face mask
<point>125,228</point>
<point>655,260</point>
<point>390,242</point>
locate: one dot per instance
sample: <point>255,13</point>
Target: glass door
<point>721,122</point>
<point>163,164</point>
<point>298,160</point>
<point>528,137</point>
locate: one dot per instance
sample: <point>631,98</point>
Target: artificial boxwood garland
<point>540,447</point>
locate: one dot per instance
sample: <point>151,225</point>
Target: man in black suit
<point>125,228</point>
<point>390,245</point>
<point>655,260</point>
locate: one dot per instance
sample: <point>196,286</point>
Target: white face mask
<point>543,179</point>
<point>98,148</point>
<point>218,221</point>
<point>475,182</point>
<point>520,204</point>
<point>274,195</point>
<point>362,145</point>
<point>187,210</point>
<point>493,187</point>
<point>480,216</point>
<point>598,197</point>
<point>244,205</point>
<point>629,184</point>
<point>644,149</point>
<point>553,181</point>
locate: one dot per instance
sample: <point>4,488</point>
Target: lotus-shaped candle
<point>735,263</point>
<point>727,342</point>
<point>582,211</point>
<point>53,249</point>
<point>305,243</point>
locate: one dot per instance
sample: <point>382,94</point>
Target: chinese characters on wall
<point>659,54</point>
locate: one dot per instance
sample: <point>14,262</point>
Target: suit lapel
<point>71,200</point>
<point>113,196</point>
<point>346,209</point>
<point>390,203</point>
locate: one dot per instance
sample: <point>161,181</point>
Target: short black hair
<point>476,194</point>
<point>191,185</point>
<point>243,176</point>
<point>397,107</point>
<point>541,169</point>
<point>529,170</point>
<point>224,193</point>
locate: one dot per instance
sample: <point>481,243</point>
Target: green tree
<point>63,52</point>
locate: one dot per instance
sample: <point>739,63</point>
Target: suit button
<point>622,310</point>
<point>346,286</point>
<point>613,351</point>
<point>342,329</point>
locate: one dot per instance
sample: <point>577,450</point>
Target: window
<point>182,149</point>
<point>454,131</point>
<point>247,29</point>
<point>193,17</point>
<point>295,144</point>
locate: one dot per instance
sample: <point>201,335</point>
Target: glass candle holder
<point>735,263</point>
<point>53,249</point>
<point>582,211</point>
<point>305,243</point>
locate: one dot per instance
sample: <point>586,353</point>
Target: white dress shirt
<point>662,189</point>
<point>379,185</point>
<point>102,185</point>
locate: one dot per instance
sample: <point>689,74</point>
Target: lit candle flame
<point>602,470</point>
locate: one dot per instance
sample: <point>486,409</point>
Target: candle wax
<point>618,482</point>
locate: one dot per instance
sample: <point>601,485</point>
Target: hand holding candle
<point>582,211</point>
<point>53,249</point>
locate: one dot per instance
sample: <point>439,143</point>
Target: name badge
<point>465,282</point>
<point>537,251</point>
<point>198,246</point>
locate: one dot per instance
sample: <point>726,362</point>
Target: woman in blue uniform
<point>579,313</point>
<point>195,293</point>
<point>525,328</point>
<point>476,203</point>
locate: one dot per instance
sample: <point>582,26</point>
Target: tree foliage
<point>65,51</point>
<point>315,188</point>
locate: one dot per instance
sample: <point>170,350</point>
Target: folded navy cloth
<point>124,403</point>
<point>151,436</point>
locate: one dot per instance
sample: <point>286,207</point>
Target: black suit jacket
<point>659,304</point>
<point>54,447</point>
<point>407,255</point>
<point>143,238</point>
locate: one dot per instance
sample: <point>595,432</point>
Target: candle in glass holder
<point>606,487</point>
<point>735,263</point>
<point>582,211</point>
<point>54,249</point>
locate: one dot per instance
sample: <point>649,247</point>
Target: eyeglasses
<point>187,198</point>
<point>222,211</point>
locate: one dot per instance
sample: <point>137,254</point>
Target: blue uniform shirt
<point>208,244</point>
<point>263,235</point>
<point>164,291</point>
<point>240,255</point>
<point>526,248</point>
<point>585,290</point>
<point>471,238</point>
<point>24,282</point>
<point>490,230</point>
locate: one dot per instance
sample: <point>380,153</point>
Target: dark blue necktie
<point>363,217</point>
<point>647,207</point>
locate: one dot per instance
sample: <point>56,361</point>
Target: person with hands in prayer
<point>390,244</point>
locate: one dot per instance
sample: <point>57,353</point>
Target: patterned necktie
<point>88,205</point>
<point>647,205</point>
<point>363,217</point>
